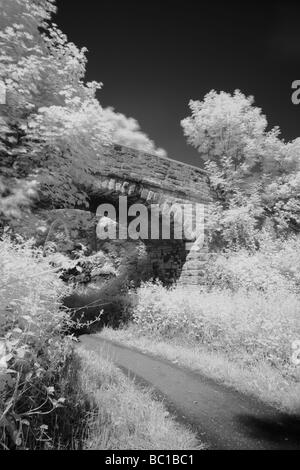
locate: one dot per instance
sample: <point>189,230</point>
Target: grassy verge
<point>125,415</point>
<point>259,380</point>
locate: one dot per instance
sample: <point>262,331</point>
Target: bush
<point>276,265</point>
<point>37,375</point>
<point>247,325</point>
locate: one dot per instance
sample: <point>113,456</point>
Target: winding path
<point>221,417</point>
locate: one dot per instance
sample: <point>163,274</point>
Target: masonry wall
<point>165,260</point>
<point>160,174</point>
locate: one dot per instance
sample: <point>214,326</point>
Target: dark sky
<point>154,56</point>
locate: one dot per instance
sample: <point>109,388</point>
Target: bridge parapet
<point>158,173</point>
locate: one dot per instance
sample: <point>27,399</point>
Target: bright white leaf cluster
<point>126,131</point>
<point>246,162</point>
<point>58,125</point>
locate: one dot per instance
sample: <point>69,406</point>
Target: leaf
<point>17,330</point>
<point>21,352</point>
<point>28,318</point>
<point>4,361</point>
<point>28,376</point>
<point>44,427</point>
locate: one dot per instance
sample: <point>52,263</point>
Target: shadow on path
<point>277,429</point>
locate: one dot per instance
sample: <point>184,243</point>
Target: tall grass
<point>251,326</point>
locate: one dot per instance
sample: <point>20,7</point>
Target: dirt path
<point>222,417</point>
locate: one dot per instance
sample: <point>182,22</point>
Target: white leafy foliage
<point>292,156</point>
<point>33,350</point>
<point>225,124</point>
<point>82,131</point>
<point>245,161</point>
<point>126,131</point>
<point>62,124</point>
<point>57,124</point>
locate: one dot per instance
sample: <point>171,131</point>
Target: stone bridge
<point>155,179</point>
<point>152,180</point>
<point>156,182</point>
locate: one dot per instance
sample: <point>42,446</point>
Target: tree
<point>126,131</point>
<point>54,129</point>
<point>253,173</point>
<point>225,125</point>
<point>55,124</point>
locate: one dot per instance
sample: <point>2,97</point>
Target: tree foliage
<point>252,171</point>
<point>53,128</point>
<point>127,132</point>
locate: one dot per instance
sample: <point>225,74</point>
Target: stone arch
<point>166,257</point>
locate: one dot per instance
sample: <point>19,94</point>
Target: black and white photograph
<point>149,228</point>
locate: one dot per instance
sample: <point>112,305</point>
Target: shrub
<point>276,265</point>
<point>247,325</point>
<point>36,359</point>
